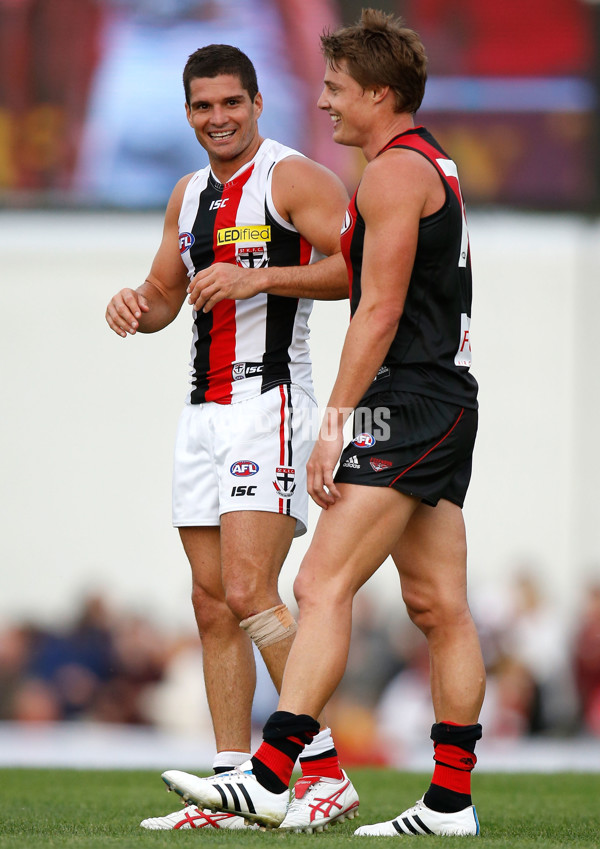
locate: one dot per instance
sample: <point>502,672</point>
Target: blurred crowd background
<point>111,666</point>
<point>91,118</point>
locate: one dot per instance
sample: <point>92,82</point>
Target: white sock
<point>230,759</point>
<point>319,744</point>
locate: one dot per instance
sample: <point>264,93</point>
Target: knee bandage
<point>270,626</point>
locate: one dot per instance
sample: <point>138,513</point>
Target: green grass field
<point>76,808</point>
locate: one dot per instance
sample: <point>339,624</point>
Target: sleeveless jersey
<point>431,352</point>
<point>244,348</point>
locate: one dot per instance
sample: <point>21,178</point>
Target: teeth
<point>222,135</point>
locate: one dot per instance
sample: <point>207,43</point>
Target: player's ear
<point>379,93</point>
<point>258,105</point>
<point>188,114</point>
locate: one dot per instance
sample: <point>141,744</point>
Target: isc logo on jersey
<point>244,468</point>
<point>364,440</point>
<point>186,240</point>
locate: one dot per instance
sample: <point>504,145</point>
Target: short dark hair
<point>380,50</point>
<point>216,59</point>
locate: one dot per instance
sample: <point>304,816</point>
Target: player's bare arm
<point>157,302</point>
<point>392,227</point>
<point>314,200</point>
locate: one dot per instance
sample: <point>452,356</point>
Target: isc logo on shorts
<point>244,468</point>
<point>364,440</point>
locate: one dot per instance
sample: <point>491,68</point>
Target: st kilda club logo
<point>285,481</point>
<point>252,257</point>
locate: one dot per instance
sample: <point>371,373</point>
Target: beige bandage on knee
<point>270,626</point>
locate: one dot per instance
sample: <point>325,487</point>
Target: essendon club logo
<point>379,465</point>
<point>186,240</point>
<point>244,468</point>
<point>285,481</point>
<point>252,257</point>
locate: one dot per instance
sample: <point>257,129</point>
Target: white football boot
<point>193,817</point>
<point>236,792</point>
<point>422,820</point>
<point>317,802</point>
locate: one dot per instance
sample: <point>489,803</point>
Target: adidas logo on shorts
<point>352,463</point>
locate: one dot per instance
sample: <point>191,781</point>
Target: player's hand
<point>320,468</point>
<point>219,281</point>
<point>124,311</point>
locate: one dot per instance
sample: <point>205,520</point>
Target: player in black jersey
<point>402,481</point>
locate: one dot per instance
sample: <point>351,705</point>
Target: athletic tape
<point>270,626</point>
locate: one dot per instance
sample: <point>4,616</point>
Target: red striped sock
<point>453,768</point>
<point>284,736</point>
<point>278,762</point>
<point>450,788</point>
<point>326,765</point>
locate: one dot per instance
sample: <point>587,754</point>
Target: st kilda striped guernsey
<point>243,348</point>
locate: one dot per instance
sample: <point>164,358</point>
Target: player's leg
<point>431,561</point>
<point>263,503</point>
<point>351,541</point>
<point>227,656</point>
<point>229,676</point>
<point>254,545</point>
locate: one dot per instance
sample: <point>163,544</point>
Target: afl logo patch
<point>244,468</point>
<point>186,240</point>
<point>364,440</point>
<point>347,222</point>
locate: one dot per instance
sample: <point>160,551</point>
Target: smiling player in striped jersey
<point>249,240</point>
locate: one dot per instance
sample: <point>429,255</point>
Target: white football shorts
<point>250,455</point>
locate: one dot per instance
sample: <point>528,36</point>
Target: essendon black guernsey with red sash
<point>243,348</point>
<point>431,352</point>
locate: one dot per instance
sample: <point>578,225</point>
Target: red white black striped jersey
<point>431,352</point>
<point>244,348</point>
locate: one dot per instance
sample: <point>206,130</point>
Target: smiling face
<point>224,120</point>
<point>347,102</point>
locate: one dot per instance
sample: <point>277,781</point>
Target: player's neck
<point>383,133</point>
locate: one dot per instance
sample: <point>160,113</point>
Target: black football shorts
<point>415,444</point>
